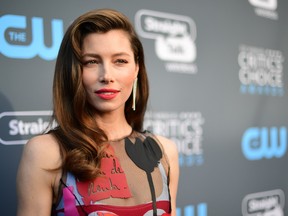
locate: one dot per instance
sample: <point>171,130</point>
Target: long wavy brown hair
<point>79,137</point>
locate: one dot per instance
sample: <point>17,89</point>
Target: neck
<point>115,126</point>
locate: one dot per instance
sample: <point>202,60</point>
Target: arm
<point>35,183</point>
<point>171,151</point>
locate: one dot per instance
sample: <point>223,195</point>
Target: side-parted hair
<point>79,137</point>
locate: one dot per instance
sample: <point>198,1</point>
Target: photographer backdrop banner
<point>218,78</point>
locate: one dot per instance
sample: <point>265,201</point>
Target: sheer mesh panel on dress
<point>136,177</point>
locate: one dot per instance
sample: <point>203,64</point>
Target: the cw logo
<point>14,28</point>
<point>257,145</point>
<point>190,210</point>
<point>266,4</point>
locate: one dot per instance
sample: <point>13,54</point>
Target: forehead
<point>111,41</point>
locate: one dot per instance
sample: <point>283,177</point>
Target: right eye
<point>90,62</point>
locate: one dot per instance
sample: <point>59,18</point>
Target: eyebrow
<point>99,56</point>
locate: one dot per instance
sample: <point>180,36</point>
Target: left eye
<point>121,61</point>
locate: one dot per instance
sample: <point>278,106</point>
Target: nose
<point>106,74</point>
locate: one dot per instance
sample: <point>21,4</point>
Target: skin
<point>108,62</point>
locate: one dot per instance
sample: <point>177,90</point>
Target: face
<point>109,70</point>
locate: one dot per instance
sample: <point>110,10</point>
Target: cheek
<point>128,83</point>
<point>88,78</point>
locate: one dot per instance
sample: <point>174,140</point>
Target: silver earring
<point>134,92</point>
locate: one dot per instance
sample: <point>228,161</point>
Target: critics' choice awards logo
<point>19,127</point>
<point>259,143</point>
<point>261,71</point>
<point>174,37</point>
<point>23,38</point>
<point>184,128</point>
<point>267,203</point>
<point>265,8</point>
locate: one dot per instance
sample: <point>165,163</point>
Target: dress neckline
<point>122,138</point>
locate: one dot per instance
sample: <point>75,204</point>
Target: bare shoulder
<point>169,146</point>
<point>44,150</point>
<point>38,175</point>
<point>40,156</point>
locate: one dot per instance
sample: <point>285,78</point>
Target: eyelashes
<point>121,61</point>
<point>89,62</point>
<point>96,62</point>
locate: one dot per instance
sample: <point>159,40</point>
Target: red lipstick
<point>107,94</point>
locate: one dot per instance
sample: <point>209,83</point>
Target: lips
<point>107,94</point>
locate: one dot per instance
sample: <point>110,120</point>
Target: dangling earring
<point>134,92</point>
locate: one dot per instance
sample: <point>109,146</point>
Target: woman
<point>98,161</point>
